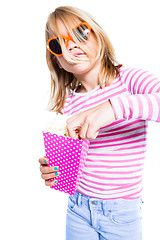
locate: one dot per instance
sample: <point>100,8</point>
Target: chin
<point>81,68</point>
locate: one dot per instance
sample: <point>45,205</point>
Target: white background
<point>29,209</point>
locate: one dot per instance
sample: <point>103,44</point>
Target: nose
<point>71,45</point>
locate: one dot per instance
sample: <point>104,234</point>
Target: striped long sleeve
<point>115,160</point>
<point>143,100</point>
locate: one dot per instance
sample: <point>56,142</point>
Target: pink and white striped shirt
<point>115,159</point>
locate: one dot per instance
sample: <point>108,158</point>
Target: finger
<point>92,135</point>
<point>48,176</point>
<point>73,126</point>
<point>43,160</point>
<point>92,131</point>
<point>83,130</point>
<point>73,131</point>
<point>51,183</point>
<point>88,129</point>
<point>49,169</point>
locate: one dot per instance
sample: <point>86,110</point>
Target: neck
<point>89,80</point>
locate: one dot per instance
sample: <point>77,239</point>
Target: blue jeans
<point>97,219</point>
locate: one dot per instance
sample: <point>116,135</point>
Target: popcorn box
<point>69,154</point>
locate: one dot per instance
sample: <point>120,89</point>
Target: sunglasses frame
<point>66,39</point>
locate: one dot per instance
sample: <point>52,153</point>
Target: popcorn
<point>67,153</point>
<point>58,126</point>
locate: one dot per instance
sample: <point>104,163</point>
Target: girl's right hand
<point>48,173</point>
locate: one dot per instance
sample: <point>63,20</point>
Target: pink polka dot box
<point>69,155</point>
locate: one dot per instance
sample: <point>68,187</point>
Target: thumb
<point>73,131</point>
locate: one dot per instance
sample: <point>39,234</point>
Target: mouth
<point>79,54</point>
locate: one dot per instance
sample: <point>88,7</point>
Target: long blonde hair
<point>63,82</point>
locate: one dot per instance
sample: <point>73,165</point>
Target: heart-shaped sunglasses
<point>81,32</point>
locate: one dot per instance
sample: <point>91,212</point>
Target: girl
<point>111,105</point>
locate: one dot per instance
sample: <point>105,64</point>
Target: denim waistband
<point>109,204</point>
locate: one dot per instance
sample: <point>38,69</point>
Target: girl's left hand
<point>88,123</point>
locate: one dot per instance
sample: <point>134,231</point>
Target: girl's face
<point>86,62</point>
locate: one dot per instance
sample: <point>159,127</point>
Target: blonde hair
<point>63,82</point>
